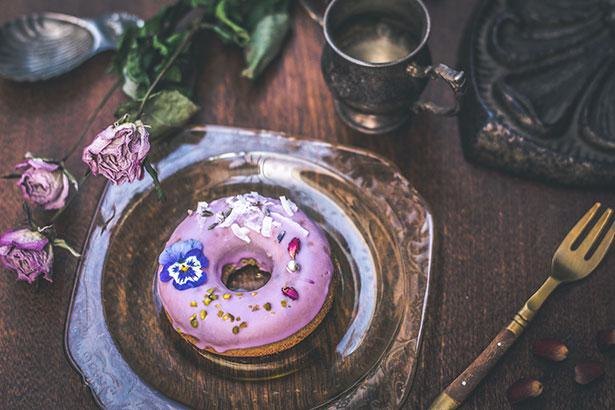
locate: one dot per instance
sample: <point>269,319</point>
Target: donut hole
<point>246,275</point>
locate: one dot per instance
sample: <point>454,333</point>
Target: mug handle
<point>315,9</point>
<point>455,79</point>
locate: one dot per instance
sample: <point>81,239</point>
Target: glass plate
<point>364,352</point>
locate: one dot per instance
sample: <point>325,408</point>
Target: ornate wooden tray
<point>541,98</point>
<point>365,350</point>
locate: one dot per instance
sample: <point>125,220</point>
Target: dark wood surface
<point>496,233</point>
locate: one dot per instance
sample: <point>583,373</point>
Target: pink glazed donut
<point>216,259</point>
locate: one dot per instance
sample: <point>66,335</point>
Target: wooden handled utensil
<point>577,256</point>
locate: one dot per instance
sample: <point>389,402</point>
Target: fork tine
<point>593,235</point>
<point>578,228</point>
<point>602,249</point>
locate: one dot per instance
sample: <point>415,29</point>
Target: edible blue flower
<point>184,263</point>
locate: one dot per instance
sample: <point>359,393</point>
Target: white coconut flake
<point>289,221</point>
<point>231,218</point>
<point>267,227</point>
<point>240,232</point>
<point>288,205</point>
<point>252,225</point>
<point>202,207</point>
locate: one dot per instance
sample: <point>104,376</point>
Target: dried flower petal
<point>43,183</point>
<point>27,253</point>
<point>524,389</point>
<point>294,246</point>
<point>202,209</point>
<point>118,152</point>
<point>290,292</point>
<point>606,340</point>
<point>550,349</point>
<point>587,372</point>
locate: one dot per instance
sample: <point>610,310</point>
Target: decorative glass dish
<point>365,350</point>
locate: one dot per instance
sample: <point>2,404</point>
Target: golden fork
<point>573,260</point>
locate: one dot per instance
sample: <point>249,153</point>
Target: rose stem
<point>28,213</point>
<point>166,68</point>
<point>92,118</point>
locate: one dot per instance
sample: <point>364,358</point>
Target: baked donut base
<point>274,347</point>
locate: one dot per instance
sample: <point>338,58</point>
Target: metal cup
<point>376,62</point>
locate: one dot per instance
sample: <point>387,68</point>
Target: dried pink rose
<point>290,292</point>
<point>294,246</point>
<point>118,152</point>
<point>26,252</point>
<point>43,183</point>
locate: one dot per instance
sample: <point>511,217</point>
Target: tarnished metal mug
<point>376,62</point>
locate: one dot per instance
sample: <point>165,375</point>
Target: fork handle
<point>466,382</point>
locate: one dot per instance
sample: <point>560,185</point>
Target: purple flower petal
<point>118,152</point>
<point>178,251</point>
<point>27,253</point>
<point>164,273</point>
<point>43,183</point>
<point>24,239</point>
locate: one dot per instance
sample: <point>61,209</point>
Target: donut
<point>245,276</point>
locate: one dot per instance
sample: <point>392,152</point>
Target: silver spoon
<point>40,46</point>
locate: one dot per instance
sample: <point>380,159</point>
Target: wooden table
<point>496,233</point>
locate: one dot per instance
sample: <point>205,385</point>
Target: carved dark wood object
<point>541,102</point>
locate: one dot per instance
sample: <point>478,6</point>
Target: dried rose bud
<point>606,340</point>
<point>290,292</point>
<point>524,389</point>
<point>588,371</point>
<point>550,349</point>
<point>294,246</point>
<point>43,183</point>
<point>26,252</point>
<point>118,152</point>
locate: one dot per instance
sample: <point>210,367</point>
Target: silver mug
<point>376,62</point>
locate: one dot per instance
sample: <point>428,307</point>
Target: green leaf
<point>164,112</point>
<point>145,49</point>
<point>61,243</point>
<point>135,75</point>
<point>154,174</point>
<point>207,5</point>
<point>71,178</point>
<point>242,37</point>
<point>265,43</point>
